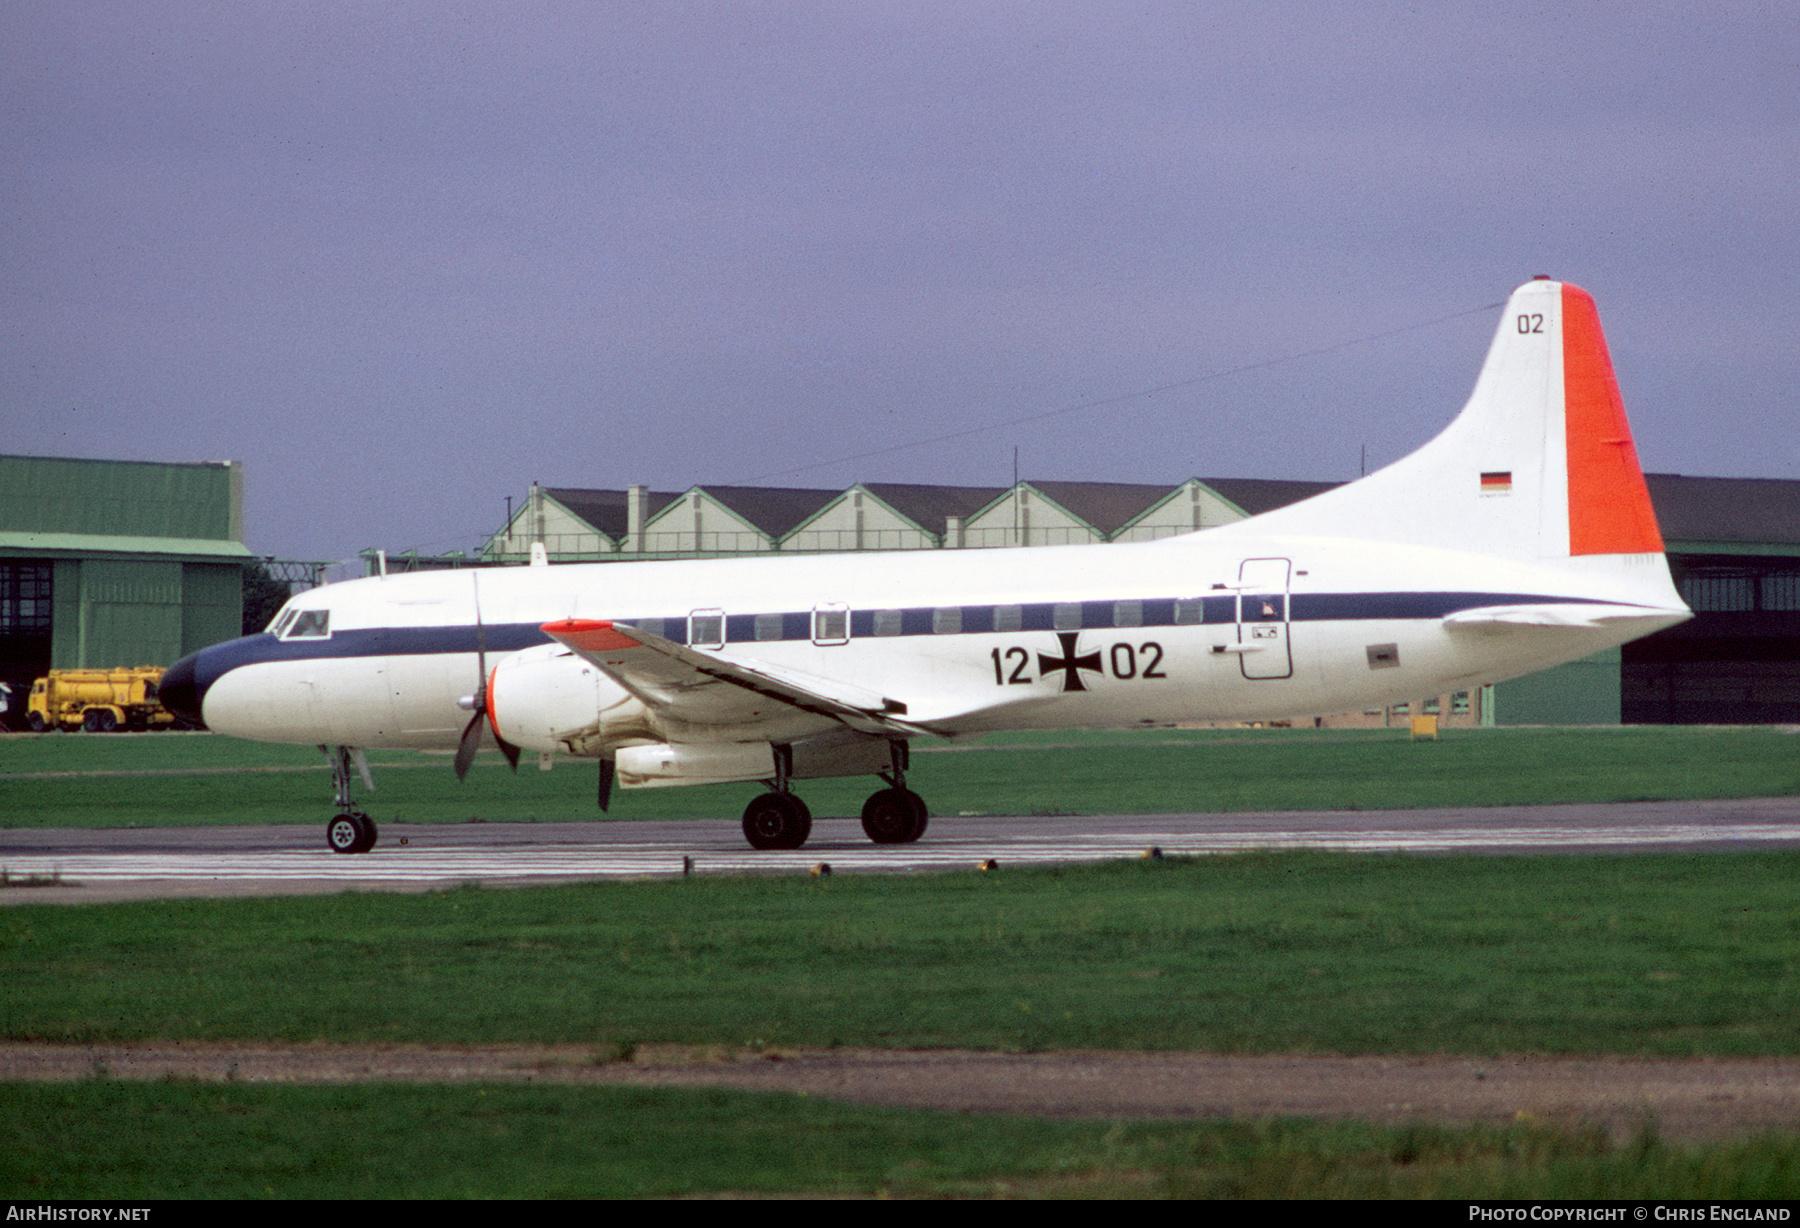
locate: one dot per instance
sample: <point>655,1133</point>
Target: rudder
<point>1609,505</point>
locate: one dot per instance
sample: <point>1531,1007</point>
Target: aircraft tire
<point>894,816</point>
<point>777,821</point>
<point>351,832</point>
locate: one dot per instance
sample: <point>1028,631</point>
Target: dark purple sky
<point>403,259</point>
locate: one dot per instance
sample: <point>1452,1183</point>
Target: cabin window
<point>1009,617</point>
<point>831,624</point>
<point>946,620</point>
<point>1066,616</point>
<point>652,625</point>
<point>1128,613</point>
<point>768,626</point>
<point>888,622</point>
<point>309,625</point>
<point>706,628</point>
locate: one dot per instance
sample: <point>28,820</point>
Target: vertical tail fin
<point>1540,464</point>
<point>1609,505</point>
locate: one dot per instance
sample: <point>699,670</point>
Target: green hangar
<point>115,563</point>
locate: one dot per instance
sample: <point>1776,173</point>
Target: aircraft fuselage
<point>1177,630</point>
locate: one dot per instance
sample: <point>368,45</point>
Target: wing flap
<point>702,689</point>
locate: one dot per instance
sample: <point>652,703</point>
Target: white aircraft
<point>1519,538</point>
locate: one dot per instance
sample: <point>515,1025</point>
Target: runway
<point>91,865</point>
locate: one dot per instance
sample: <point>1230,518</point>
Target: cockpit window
<point>309,625</point>
<point>281,621</point>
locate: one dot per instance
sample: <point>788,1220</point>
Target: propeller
<point>478,702</point>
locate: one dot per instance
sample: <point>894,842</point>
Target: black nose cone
<point>180,691</point>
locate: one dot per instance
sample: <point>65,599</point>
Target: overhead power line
<point>1102,402</point>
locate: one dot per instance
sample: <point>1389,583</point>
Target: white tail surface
<point>1539,466</point>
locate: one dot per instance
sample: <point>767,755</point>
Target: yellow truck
<point>98,700</point>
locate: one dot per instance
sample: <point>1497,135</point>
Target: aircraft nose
<point>180,690</point>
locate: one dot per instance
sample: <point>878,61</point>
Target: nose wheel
<point>351,832</point>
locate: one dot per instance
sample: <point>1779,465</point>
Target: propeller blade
<point>471,734</point>
<point>606,783</point>
<point>471,742</point>
<point>510,751</point>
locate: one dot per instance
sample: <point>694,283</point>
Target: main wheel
<point>350,832</point>
<point>777,821</point>
<point>894,816</point>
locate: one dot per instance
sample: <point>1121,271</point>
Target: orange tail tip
<point>1609,505</point>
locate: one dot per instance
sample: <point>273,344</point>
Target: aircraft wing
<point>1494,618</point>
<point>700,688</point>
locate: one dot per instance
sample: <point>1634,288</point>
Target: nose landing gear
<point>351,831</point>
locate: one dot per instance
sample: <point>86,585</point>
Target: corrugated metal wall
<point>40,494</point>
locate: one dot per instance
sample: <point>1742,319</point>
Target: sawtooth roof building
<point>579,525</point>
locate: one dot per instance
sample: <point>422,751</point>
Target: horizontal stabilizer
<point>1495,618</point>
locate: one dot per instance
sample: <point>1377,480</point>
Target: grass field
<point>143,1141</point>
<point>1305,952</point>
<point>1664,955</point>
<point>1290,952</point>
<point>72,780</point>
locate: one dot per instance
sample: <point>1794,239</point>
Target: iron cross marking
<point>1070,664</point>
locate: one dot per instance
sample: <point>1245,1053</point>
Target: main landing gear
<point>780,820</point>
<point>351,831</point>
<point>894,816</point>
<point>777,821</point>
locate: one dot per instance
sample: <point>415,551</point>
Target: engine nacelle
<point>643,767</point>
<point>703,763</point>
<point>549,699</point>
